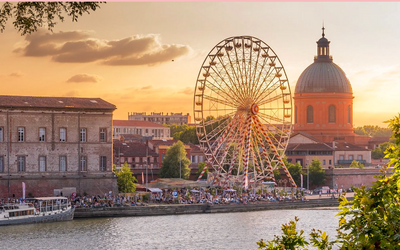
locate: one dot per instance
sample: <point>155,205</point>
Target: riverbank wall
<point>176,209</point>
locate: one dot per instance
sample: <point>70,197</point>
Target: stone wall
<point>44,186</point>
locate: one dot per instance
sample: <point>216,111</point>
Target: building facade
<point>323,99</point>
<point>142,128</point>
<point>161,118</point>
<point>54,142</point>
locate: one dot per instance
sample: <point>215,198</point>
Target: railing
<point>350,161</point>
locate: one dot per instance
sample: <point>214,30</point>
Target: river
<point>194,231</point>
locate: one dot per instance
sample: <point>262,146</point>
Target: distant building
<point>304,148</point>
<point>142,128</point>
<point>139,157</point>
<point>161,118</point>
<point>54,142</point>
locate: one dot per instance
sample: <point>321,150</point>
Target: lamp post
<point>308,177</point>
<point>180,165</point>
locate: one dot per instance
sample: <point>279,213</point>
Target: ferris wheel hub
<point>254,109</point>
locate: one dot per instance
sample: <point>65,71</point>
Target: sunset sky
<point>146,56</point>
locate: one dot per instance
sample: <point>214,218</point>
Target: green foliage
<point>201,167</point>
<point>125,179</point>
<point>29,16</point>
<point>317,174</point>
<point>370,221</point>
<point>184,133</point>
<point>370,130</point>
<point>277,174</point>
<point>291,238</point>
<point>356,164</point>
<point>174,160</point>
<point>295,171</point>
<point>379,152</point>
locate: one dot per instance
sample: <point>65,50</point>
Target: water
<point>197,231</point>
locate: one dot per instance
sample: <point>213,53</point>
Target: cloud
<point>78,47</point>
<point>187,91</point>
<point>147,87</point>
<point>16,74</point>
<point>85,78</point>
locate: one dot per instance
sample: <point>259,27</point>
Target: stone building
<point>55,142</point>
<point>143,128</point>
<point>161,118</point>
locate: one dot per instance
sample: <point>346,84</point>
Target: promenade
<point>151,209</point>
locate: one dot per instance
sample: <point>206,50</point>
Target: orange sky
<point>146,56</point>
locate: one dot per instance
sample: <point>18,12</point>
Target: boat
<point>36,210</point>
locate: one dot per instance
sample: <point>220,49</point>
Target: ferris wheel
<point>242,111</point>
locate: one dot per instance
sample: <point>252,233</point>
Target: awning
<point>155,190</point>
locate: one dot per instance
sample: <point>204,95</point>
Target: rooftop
<point>71,103</point>
<point>133,123</point>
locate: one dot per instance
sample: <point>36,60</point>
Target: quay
<point>176,209</point>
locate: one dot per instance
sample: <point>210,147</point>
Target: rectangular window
<point>351,157</point>
<point>42,163</point>
<point>103,135</point>
<point>330,162</point>
<point>21,163</point>
<point>42,134</point>
<point>83,164</point>
<point>324,162</point>
<point>63,163</point>
<point>21,134</point>
<point>83,135</point>
<point>63,134</point>
<point>1,134</point>
<point>1,164</point>
<point>359,157</point>
<point>103,163</point>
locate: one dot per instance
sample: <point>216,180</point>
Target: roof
<point>323,77</point>
<point>163,142</point>
<point>133,149</point>
<point>309,146</point>
<point>34,102</point>
<point>344,146</point>
<point>133,123</point>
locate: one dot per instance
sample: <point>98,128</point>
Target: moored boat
<point>36,210</point>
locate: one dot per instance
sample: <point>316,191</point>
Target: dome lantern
<point>323,49</point>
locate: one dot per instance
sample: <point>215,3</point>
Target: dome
<point>322,77</point>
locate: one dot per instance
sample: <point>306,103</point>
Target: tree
<point>29,16</point>
<point>125,179</point>
<point>370,221</point>
<point>370,130</point>
<point>356,164</point>
<point>295,170</point>
<point>201,167</point>
<point>317,174</point>
<point>379,152</point>
<point>175,159</point>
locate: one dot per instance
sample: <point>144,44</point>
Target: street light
<point>308,177</point>
<point>180,165</point>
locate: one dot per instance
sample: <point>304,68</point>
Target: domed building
<point>323,99</point>
<point>323,116</point>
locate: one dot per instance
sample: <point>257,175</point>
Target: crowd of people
<point>187,196</point>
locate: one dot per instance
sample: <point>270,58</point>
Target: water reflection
<point>198,231</point>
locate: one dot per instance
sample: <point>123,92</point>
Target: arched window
<point>332,114</point>
<point>310,114</point>
<point>348,114</point>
